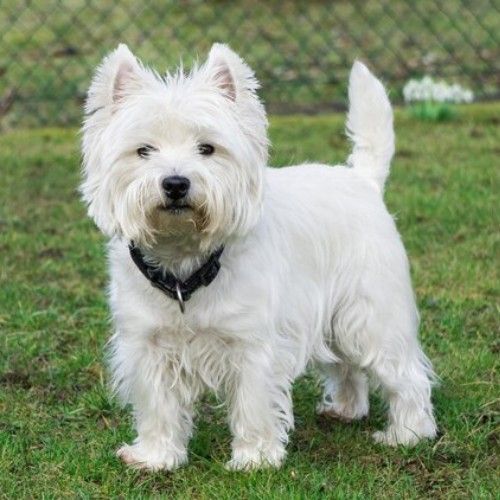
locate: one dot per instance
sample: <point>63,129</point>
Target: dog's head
<point>179,157</point>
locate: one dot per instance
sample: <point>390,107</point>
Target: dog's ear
<point>229,73</point>
<point>119,74</point>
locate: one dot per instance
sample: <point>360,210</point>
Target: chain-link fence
<point>301,50</point>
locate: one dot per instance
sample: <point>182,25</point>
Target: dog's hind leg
<point>345,392</point>
<point>388,348</point>
<point>406,385</point>
<point>377,330</point>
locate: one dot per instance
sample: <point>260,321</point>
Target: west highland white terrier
<point>230,276</point>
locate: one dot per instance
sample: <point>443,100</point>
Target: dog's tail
<point>369,126</point>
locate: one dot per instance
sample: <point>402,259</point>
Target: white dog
<point>231,276</point>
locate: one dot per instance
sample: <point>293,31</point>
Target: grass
<point>59,429</point>
<point>301,51</point>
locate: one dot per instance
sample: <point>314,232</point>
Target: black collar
<point>172,286</point>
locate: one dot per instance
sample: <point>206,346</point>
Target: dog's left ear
<point>229,73</point>
<point>119,75</point>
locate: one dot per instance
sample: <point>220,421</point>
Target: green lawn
<point>58,428</point>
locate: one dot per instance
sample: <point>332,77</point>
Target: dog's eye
<point>144,151</point>
<point>206,149</point>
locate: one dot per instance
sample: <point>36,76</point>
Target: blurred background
<point>301,50</point>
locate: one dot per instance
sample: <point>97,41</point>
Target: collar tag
<point>180,298</point>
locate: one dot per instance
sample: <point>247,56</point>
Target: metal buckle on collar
<point>180,298</point>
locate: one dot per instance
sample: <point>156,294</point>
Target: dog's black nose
<point>175,186</point>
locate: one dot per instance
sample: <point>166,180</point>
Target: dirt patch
<point>404,153</point>
<point>476,132</point>
<point>51,253</point>
<point>16,379</point>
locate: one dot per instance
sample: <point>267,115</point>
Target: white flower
<point>427,89</point>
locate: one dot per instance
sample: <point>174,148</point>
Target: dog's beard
<point>178,220</point>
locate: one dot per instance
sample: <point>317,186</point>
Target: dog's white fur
<point>313,271</point>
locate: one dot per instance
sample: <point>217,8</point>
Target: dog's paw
<point>248,457</point>
<point>391,438</point>
<point>138,456</point>
<point>395,436</point>
<point>345,412</point>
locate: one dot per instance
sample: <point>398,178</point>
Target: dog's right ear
<point>119,74</point>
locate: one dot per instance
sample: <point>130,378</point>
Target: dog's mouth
<point>176,208</point>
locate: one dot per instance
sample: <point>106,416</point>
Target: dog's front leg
<point>146,378</point>
<point>260,414</point>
